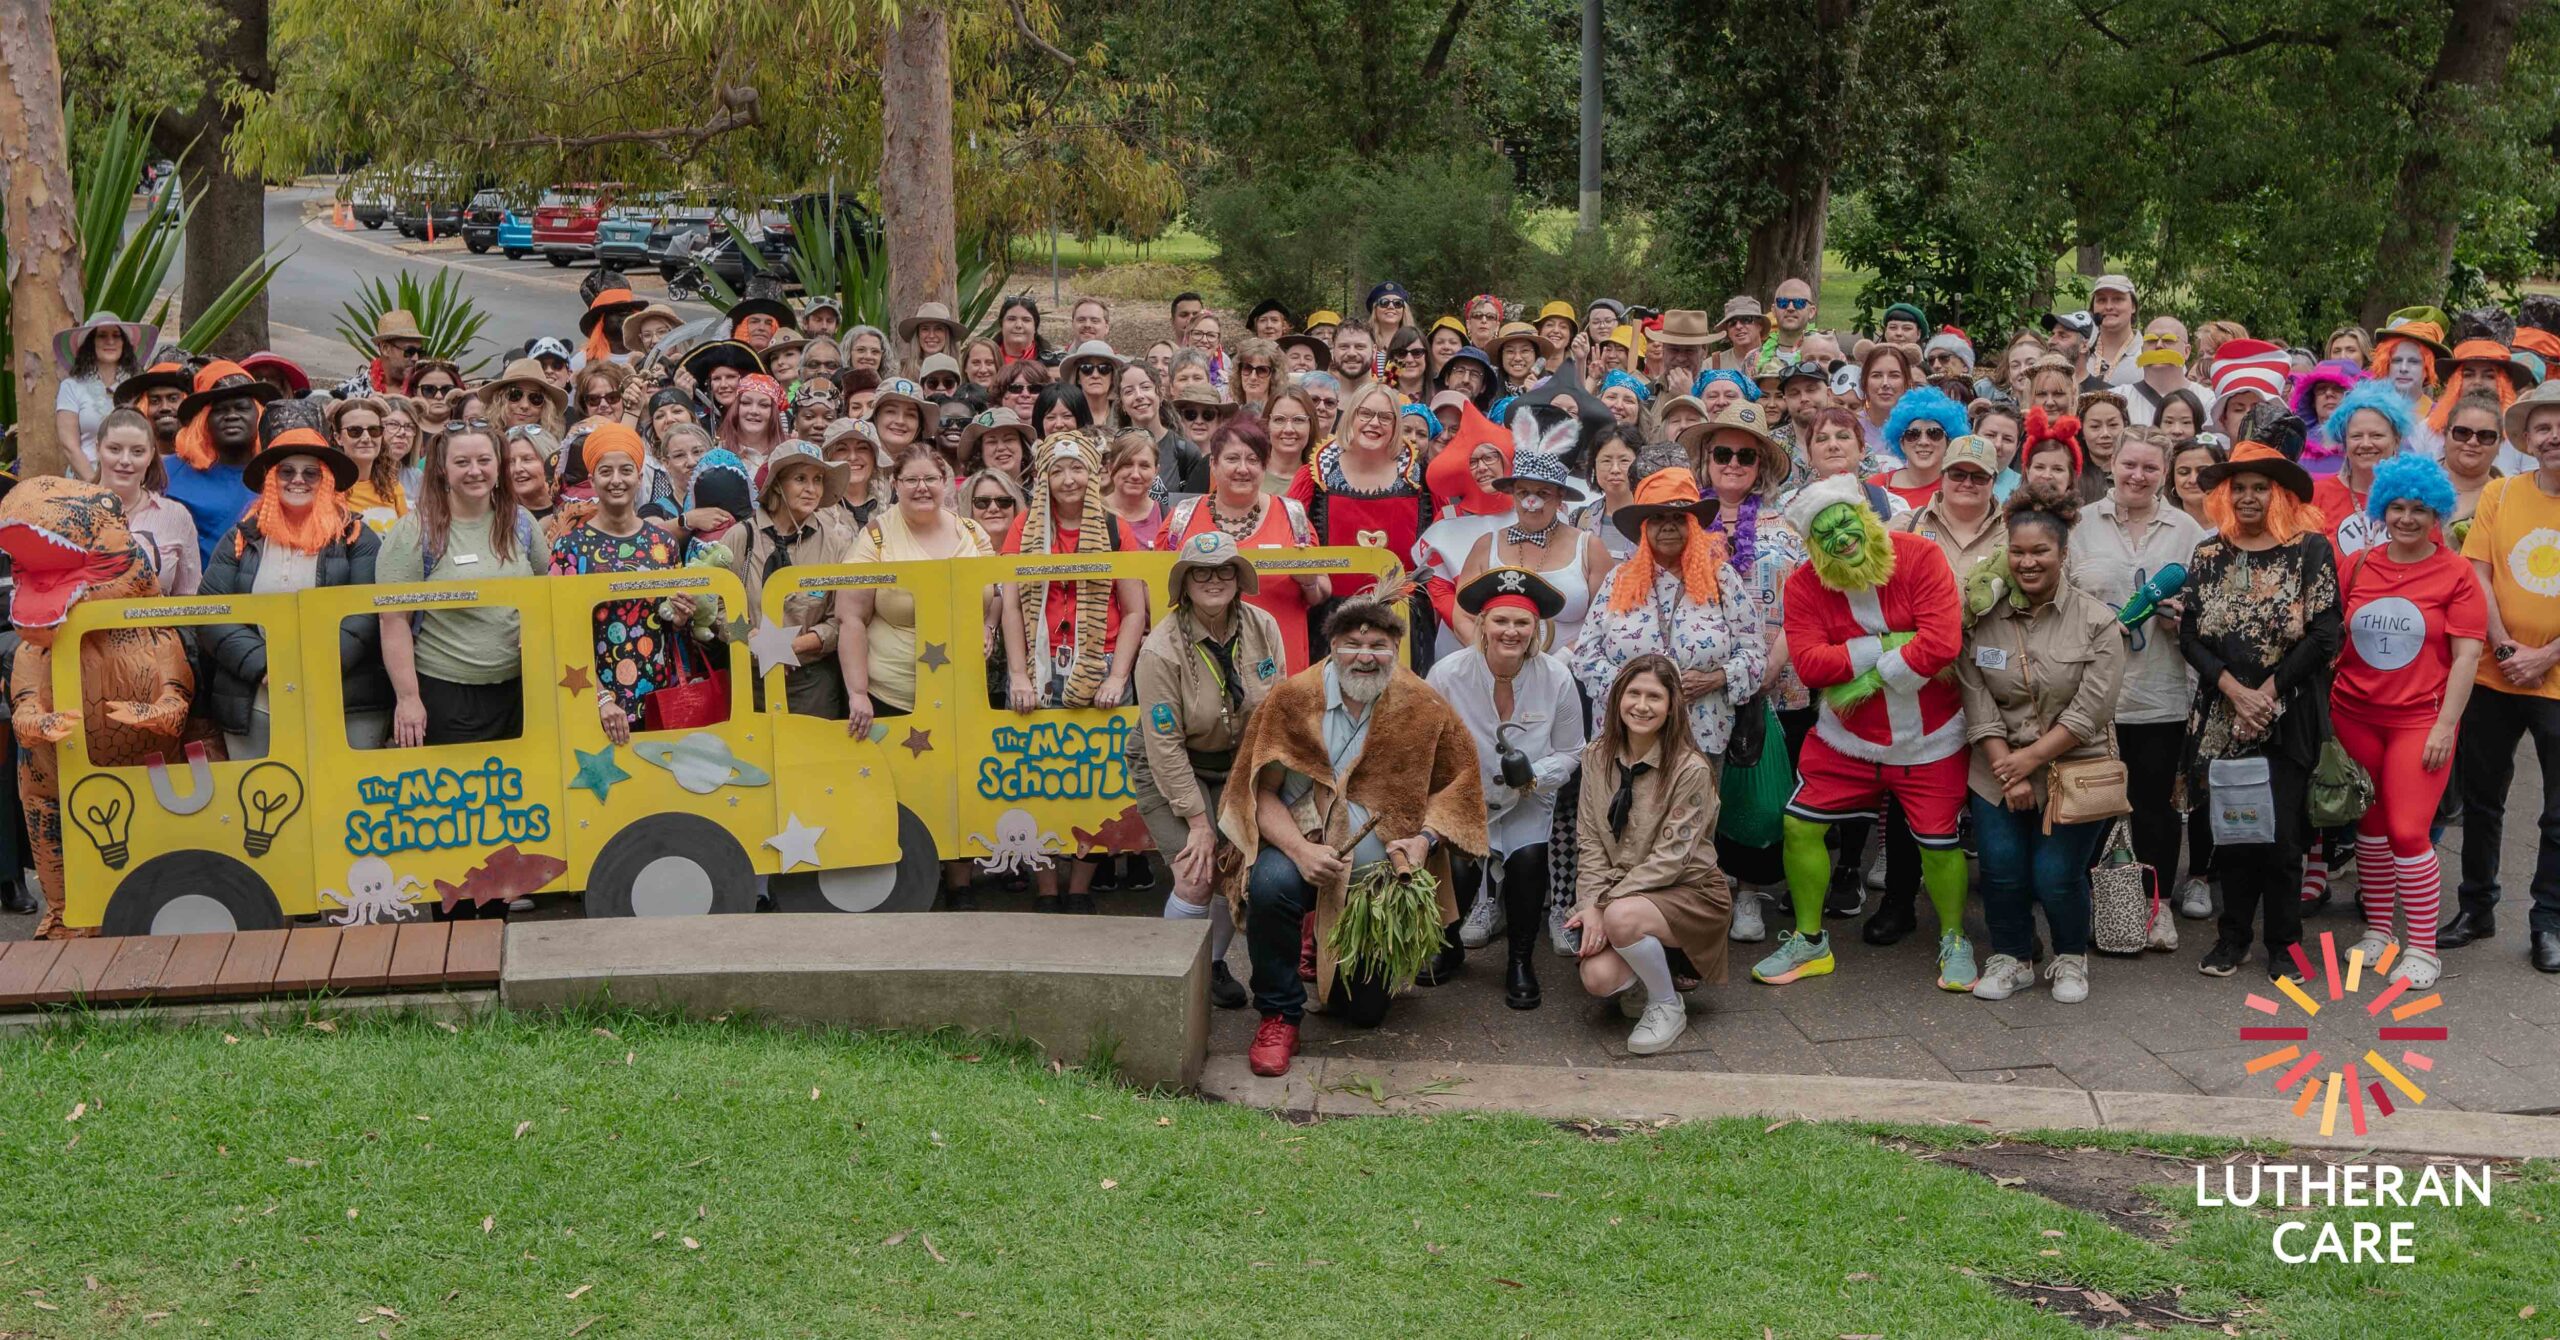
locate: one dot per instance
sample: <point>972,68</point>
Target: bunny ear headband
<point>1527,438</point>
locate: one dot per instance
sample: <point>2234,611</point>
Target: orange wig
<point>1699,559</point>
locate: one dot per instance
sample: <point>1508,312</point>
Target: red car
<point>564,224</point>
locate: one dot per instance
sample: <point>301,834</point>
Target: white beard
<point>1364,687</point>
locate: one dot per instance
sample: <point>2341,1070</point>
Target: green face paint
<point>1850,549</point>
<point>1839,532</point>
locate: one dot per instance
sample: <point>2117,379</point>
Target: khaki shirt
<point>2024,671</point>
<point>825,538</point>
<point>1929,523</point>
<point>1181,708</point>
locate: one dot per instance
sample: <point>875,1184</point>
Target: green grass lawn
<point>1178,246</point>
<point>618,1176</point>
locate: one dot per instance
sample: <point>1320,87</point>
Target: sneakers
<point>2420,967</point>
<point>1567,941</point>
<point>1846,897</point>
<point>1955,962</point>
<point>2069,974</point>
<point>1875,873</point>
<point>2223,959</point>
<point>2003,977</point>
<point>1274,1044</point>
<point>2164,931</point>
<point>1749,927</point>
<point>1484,921</point>
<point>2195,900</point>
<point>1661,1024</point>
<point>2280,964</point>
<point>2372,945</point>
<point>1796,956</point>
<point>1225,991</point>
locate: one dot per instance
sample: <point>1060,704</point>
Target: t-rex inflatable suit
<point>67,542</point>
<point>1875,624</point>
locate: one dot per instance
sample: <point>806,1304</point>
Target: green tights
<point>1808,858</point>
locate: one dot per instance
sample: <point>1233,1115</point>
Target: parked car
<point>515,235</point>
<point>427,215</point>
<point>372,205</point>
<point>691,223</point>
<point>622,238</point>
<point>771,231</point>
<point>564,224</point>
<point>481,220</point>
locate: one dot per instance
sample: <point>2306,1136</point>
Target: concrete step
<point>1135,988</point>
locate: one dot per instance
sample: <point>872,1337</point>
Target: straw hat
<point>527,373</point>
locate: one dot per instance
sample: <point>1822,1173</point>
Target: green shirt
<point>481,645</point>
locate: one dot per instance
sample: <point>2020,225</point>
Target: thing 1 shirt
<point>2402,619</point>
<point>2516,532</point>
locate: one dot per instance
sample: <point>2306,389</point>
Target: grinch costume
<point>67,542</point>
<point>1875,624</point>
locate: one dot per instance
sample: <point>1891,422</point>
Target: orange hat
<point>611,436</point>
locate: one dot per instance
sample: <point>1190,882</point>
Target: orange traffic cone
<point>342,218</point>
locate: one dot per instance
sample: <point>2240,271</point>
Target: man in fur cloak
<point>1875,624</point>
<point>1351,761</point>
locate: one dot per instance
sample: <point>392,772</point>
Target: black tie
<point>1624,803</point>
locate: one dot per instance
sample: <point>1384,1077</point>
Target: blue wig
<point>2407,474</point>
<point>1750,388</point>
<point>1924,402</point>
<point>2378,396</point>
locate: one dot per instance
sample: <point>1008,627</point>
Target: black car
<point>480,220</point>
<point>772,234</point>
<point>417,216</point>
<point>690,222</point>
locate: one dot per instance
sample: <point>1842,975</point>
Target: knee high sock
<point>1942,873</point>
<point>1652,967</point>
<point>2421,887</point>
<point>1808,862</point>
<point>2376,879</point>
<point>1222,922</point>
<point>2315,870</point>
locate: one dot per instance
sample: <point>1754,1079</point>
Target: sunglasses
<point>994,502</point>
<point>435,388</point>
<point>2475,436</point>
<point>1972,479</point>
<point>1197,415</point>
<point>1926,432</point>
<point>1397,303</point>
<point>516,396</point>
<point>352,430</point>
<point>1791,304</point>
<point>1735,455</point>
<point>299,474</point>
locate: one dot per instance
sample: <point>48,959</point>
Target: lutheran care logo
<point>2360,1079</point>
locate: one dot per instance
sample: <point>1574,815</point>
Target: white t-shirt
<point>89,398</point>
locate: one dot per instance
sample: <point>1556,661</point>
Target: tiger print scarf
<point>1093,596</point>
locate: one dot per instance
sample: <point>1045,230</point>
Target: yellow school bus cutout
<point>675,822</point>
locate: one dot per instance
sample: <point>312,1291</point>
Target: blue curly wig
<point>2377,396</point>
<point>1750,388</point>
<point>2409,475</point>
<point>1924,402</point>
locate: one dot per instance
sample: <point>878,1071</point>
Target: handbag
<point>2078,791</point>
<point>687,703</point>
<point>2124,897</point>
<point>1750,734</point>
<point>2341,790</point>
<point>2242,794</point>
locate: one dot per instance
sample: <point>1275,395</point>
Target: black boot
<point>15,899</point>
<point>2546,951</point>
<point>2467,926</point>
<point>1225,991</point>
<point>1444,965</point>
<point>1520,979</point>
<point>1896,915</point>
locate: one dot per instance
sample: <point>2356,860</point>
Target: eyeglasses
<point>1213,574</point>
<point>359,430</point>
<point>2474,436</point>
<point>920,481</point>
<point>1373,416</point>
<point>299,474</point>
<point>1791,304</point>
<point>1735,455</point>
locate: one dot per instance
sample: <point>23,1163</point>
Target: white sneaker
<point>2164,931</point>
<point>2070,976</point>
<point>1484,921</point>
<point>2419,967</point>
<point>1749,927</point>
<point>2195,900</point>
<point>2002,978</point>
<point>1875,873</point>
<point>2373,943</point>
<point>1661,1025</point>
<point>1567,941</point>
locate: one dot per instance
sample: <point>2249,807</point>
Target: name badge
<point>460,559</point>
<point>1991,658</point>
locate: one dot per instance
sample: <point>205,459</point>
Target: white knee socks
<point>1652,967</point>
<point>1222,924</point>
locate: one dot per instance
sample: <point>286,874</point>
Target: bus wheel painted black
<point>671,865</point>
<point>906,884</point>
<point>188,892</point>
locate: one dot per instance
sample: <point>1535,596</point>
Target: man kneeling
<point>1353,760</point>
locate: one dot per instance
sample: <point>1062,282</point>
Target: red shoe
<point>1307,951</point>
<point>1273,1045</point>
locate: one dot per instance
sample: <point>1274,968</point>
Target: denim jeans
<point>1277,901</point>
<point>2494,725</point>
<point>2024,867</point>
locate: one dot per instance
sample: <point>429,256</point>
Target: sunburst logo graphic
<point>2360,1081</point>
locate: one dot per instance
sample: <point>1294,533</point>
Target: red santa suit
<point>1907,741</point>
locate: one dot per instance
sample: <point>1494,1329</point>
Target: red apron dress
<point>1283,527</point>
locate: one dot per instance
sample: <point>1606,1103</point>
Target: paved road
<point>523,298</point>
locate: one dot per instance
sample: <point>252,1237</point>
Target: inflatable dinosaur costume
<point>67,542</point>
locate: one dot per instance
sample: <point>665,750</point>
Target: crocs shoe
<point>2419,967</point>
<point>1796,956</point>
<point>2373,943</point>
<point>2003,977</point>
<point>1955,962</point>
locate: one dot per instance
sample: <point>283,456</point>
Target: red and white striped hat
<point>2251,365</point>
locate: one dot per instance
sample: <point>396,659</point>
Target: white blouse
<point>1548,714</point>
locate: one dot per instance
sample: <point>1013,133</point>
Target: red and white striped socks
<point>2376,879</point>
<point>2315,870</point>
<point>2420,884</point>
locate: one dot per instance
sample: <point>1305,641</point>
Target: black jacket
<point>235,654</point>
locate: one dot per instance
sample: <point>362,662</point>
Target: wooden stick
<point>1349,844</point>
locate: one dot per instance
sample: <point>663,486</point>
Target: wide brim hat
<point>648,311</point>
<point>776,308</point>
<point>840,429</point>
<point>1685,328</point>
<point>2260,459</point>
<point>791,343</point>
<point>722,354</point>
<point>610,304</point>
<point>224,381</point>
<point>1092,351</point>
<point>1212,549</point>
<point>1204,397</point>
<point>528,373</point>
<point>2490,351</point>
<point>996,420</point>
<point>2427,335</point>
<point>1537,467</point>
<point>1444,322</point>
<point>899,388</point>
<point>138,339</point>
<point>1496,582</point>
<point>1513,332</point>
<point>158,377</point>
<point>397,324</point>
<point>1296,338</point>
<point>1741,416</point>
<point>1559,308</point>
<point>932,314</point>
<point>2543,396</point>
<point>295,428</point>
<point>1699,507</point>
<point>296,380</point>
<point>934,363</point>
<point>838,474</point>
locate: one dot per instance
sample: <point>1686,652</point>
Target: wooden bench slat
<point>364,958</point>
<point>250,968</point>
<point>23,968</point>
<point>80,970</point>
<point>308,956</point>
<point>138,962</point>
<point>418,952</point>
<point>195,964</point>
<point>473,956</point>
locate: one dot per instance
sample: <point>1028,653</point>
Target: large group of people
<point>1684,612</point>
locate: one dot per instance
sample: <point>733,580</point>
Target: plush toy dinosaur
<point>67,542</point>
